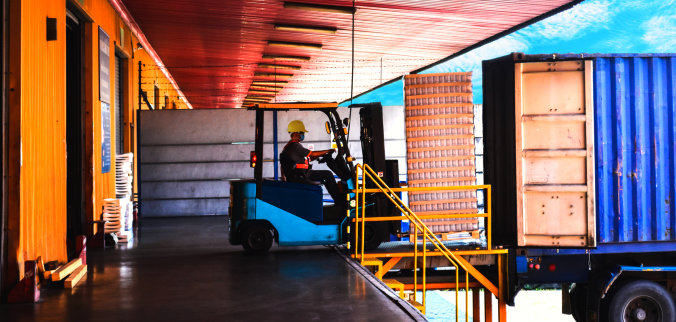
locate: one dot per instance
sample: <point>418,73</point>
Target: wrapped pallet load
<point>440,149</point>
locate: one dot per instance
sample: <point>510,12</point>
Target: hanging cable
<point>349,123</point>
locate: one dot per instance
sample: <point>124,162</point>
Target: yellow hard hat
<point>296,126</point>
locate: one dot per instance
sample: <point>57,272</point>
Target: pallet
<point>448,236</point>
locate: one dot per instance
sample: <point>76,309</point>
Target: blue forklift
<point>263,210</point>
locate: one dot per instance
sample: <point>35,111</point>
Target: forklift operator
<point>295,163</point>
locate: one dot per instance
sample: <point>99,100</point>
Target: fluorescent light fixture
<point>312,29</point>
<point>270,83</point>
<point>263,95</point>
<point>275,66</point>
<point>319,7</point>
<point>263,92</point>
<point>258,74</point>
<point>292,44</point>
<point>286,57</point>
<point>265,87</point>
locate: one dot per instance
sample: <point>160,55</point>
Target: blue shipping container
<point>635,107</point>
<point>634,136</point>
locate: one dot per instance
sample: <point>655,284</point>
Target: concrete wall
<point>188,157</point>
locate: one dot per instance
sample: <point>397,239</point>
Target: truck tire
<point>643,301</point>
<point>257,238</point>
<point>578,302</point>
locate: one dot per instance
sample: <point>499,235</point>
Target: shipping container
<point>580,150</point>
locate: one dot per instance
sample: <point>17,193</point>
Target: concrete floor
<point>183,269</point>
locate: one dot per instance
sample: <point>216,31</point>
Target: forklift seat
<point>300,199</point>
<point>305,180</point>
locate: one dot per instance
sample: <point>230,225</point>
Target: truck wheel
<point>578,302</point>
<point>644,301</point>
<point>257,238</point>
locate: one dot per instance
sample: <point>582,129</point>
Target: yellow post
<point>415,262</point>
<point>363,211</point>
<point>424,273</point>
<point>489,212</point>
<point>466,296</point>
<point>356,213</point>
<point>457,294</point>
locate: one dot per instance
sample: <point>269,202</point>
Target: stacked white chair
<point>123,190</point>
<point>111,214</point>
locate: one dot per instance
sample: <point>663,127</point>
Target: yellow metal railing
<point>419,226</point>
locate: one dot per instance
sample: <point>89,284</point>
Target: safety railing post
<point>424,273</point>
<point>356,213</point>
<point>489,213</point>
<point>415,262</point>
<point>466,296</point>
<point>363,212</point>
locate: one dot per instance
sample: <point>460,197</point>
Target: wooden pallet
<point>446,236</point>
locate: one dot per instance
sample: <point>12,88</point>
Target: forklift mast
<point>372,136</point>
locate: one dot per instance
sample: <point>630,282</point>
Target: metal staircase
<point>430,247</point>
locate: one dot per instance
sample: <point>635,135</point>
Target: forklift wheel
<point>257,238</point>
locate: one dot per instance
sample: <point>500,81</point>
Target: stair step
<point>417,305</point>
<point>396,285</point>
<point>372,262</point>
<point>392,283</point>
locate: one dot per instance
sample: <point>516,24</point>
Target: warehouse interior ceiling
<point>224,54</point>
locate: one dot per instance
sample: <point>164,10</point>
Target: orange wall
<point>43,147</point>
<point>38,226</point>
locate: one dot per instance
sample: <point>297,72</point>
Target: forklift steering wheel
<point>325,158</point>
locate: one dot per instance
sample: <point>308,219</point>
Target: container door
<point>554,151</point>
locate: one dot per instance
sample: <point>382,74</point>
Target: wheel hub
<point>643,309</point>
<point>639,314</point>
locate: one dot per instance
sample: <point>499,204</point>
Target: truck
<point>579,151</point>
<point>264,210</point>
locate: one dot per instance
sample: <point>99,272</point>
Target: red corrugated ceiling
<point>213,47</point>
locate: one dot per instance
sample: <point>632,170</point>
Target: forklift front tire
<point>257,238</point>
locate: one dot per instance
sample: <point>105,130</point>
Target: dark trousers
<point>327,179</point>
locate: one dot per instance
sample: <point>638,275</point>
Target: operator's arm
<point>316,154</point>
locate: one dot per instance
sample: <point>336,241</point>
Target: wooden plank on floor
<point>75,277</point>
<point>65,270</point>
<point>48,274</point>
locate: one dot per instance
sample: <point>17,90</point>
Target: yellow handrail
<point>418,224</point>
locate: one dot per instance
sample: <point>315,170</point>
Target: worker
<point>295,162</point>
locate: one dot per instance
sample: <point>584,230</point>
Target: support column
<point>275,149</point>
<point>502,301</point>
<point>260,136</point>
<point>488,306</point>
<point>476,305</point>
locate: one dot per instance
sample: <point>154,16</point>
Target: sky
<point>593,26</point>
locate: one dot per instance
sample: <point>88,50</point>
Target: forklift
<point>263,210</point>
